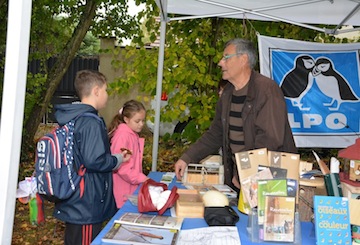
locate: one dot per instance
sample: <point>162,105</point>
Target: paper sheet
<point>213,235</point>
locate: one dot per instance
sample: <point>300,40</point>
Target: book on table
<point>274,187</point>
<point>138,228</point>
<point>332,220</point>
<point>279,219</point>
<point>249,186</point>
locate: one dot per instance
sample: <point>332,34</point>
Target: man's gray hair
<point>244,46</point>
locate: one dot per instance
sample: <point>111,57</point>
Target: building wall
<point>65,92</point>
<point>115,102</point>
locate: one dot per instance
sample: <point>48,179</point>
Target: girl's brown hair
<point>128,110</point>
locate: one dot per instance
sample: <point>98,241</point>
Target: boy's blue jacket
<point>92,148</point>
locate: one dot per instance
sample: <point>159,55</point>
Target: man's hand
<point>180,167</point>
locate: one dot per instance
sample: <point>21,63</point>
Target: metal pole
<point>17,50</point>
<point>158,94</point>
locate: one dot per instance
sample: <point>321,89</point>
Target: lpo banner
<point>321,85</point>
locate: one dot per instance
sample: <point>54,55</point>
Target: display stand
<point>255,232</point>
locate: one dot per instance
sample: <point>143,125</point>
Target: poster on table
<point>321,85</point>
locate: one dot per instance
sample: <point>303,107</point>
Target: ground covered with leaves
<point>52,230</point>
<point>49,232</point>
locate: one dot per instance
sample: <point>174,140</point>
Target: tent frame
<point>164,19</point>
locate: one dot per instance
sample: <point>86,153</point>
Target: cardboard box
<point>247,164</point>
<point>248,161</point>
<point>305,167</point>
<point>354,206</point>
<point>289,161</point>
<point>354,171</point>
<point>189,204</point>
<point>350,191</point>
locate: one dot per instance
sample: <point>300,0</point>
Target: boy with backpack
<point>84,213</point>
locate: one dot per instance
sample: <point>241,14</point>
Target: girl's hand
<point>126,154</point>
<point>127,151</point>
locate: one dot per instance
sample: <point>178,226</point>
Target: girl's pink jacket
<point>128,177</point>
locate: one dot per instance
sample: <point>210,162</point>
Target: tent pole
<point>17,51</point>
<point>356,9</point>
<point>158,94</point>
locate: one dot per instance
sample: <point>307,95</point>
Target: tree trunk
<point>56,74</point>
<point>216,24</point>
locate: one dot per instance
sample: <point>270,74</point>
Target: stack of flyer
<point>138,228</point>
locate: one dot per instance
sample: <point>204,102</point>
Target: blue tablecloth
<point>307,229</point>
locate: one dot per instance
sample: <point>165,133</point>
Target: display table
<point>307,228</point>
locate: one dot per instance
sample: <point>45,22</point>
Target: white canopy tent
<point>306,13</point>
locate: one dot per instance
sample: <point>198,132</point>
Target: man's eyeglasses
<point>228,56</point>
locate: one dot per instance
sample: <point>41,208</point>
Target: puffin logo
<point>321,87</point>
<point>298,81</point>
<point>331,83</point>
<point>307,71</point>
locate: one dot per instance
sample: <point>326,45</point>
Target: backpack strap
<point>81,172</point>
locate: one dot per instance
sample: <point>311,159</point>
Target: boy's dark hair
<point>86,80</point>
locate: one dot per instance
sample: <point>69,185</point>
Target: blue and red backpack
<point>57,175</point>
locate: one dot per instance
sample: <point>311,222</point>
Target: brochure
<point>138,228</point>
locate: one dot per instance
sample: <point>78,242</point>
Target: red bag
<point>145,203</point>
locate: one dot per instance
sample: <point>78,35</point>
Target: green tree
<point>58,29</point>
<point>192,51</point>
<point>90,45</point>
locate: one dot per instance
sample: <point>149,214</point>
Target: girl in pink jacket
<point>124,135</point>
